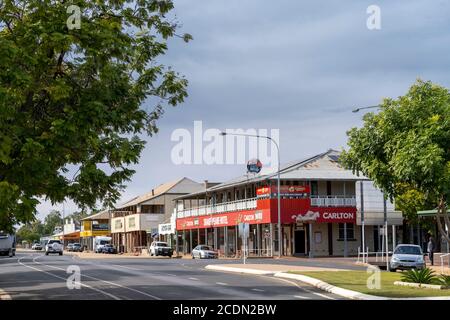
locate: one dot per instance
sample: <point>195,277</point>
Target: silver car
<point>407,256</point>
<point>204,252</point>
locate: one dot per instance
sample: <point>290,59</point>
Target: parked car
<point>36,246</point>
<point>69,247</point>
<point>204,252</point>
<point>7,244</point>
<point>109,248</point>
<point>77,247</point>
<point>407,256</point>
<point>54,246</point>
<point>100,242</point>
<point>158,248</point>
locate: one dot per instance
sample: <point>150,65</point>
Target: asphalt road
<point>36,276</point>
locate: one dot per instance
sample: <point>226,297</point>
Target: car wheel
<point>193,256</point>
<point>10,253</point>
<point>392,270</point>
<point>60,253</point>
<point>46,253</point>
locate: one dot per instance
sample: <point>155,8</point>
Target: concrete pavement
<point>36,276</point>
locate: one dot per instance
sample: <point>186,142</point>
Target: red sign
<point>326,215</point>
<point>224,219</point>
<point>285,190</point>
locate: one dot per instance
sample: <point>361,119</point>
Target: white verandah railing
<point>245,204</point>
<point>333,201</point>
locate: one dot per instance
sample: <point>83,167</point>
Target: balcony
<point>333,201</point>
<point>246,204</point>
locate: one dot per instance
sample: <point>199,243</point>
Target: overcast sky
<point>296,66</point>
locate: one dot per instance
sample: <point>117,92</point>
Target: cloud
<point>297,66</point>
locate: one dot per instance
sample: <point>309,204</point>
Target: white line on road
<point>104,281</point>
<point>64,279</point>
<point>302,297</point>
<point>307,290</point>
<point>193,279</point>
<point>221,283</point>
<point>258,290</point>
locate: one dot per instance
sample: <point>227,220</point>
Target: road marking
<point>302,297</point>
<point>193,279</point>
<point>64,279</point>
<point>120,266</point>
<point>307,290</point>
<point>221,283</point>
<point>258,290</point>
<point>104,281</point>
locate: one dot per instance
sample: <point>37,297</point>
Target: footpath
<point>284,271</point>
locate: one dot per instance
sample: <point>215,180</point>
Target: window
<point>350,231</point>
<point>314,188</point>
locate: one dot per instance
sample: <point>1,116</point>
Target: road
<point>32,275</point>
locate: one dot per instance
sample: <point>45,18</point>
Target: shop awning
<point>427,213</point>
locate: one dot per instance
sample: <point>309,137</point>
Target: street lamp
<point>278,179</point>
<point>362,108</point>
<point>384,203</point>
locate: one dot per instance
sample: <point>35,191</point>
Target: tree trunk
<point>442,213</point>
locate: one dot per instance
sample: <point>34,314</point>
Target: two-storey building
<point>319,210</point>
<point>134,224</point>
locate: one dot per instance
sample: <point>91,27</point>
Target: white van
<point>7,244</point>
<point>99,243</point>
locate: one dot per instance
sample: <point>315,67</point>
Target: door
<point>299,236</point>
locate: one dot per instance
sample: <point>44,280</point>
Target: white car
<point>407,256</point>
<point>204,252</point>
<point>36,246</point>
<point>158,248</point>
<point>54,246</point>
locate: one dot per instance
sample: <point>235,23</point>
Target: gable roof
<point>156,192</point>
<point>323,166</point>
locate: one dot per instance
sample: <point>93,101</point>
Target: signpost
<point>244,231</point>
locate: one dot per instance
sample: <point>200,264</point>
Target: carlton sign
<point>327,215</point>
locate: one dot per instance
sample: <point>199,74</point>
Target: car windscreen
<point>161,244</point>
<point>408,250</point>
<point>206,248</point>
<point>103,242</point>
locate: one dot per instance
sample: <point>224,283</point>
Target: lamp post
<point>362,108</point>
<point>278,180</point>
<point>386,238</point>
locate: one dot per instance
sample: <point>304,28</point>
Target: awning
<point>427,213</point>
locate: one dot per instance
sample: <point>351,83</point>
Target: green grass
<point>357,281</point>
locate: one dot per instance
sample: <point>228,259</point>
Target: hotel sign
<point>327,215</point>
<point>225,219</point>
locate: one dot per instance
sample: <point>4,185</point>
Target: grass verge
<point>357,281</point>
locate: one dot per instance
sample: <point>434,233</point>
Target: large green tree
<point>405,149</point>
<point>75,98</point>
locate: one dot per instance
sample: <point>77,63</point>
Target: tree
<point>71,99</point>
<point>51,221</point>
<point>30,232</point>
<point>405,149</point>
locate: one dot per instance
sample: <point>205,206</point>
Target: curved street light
<point>278,180</point>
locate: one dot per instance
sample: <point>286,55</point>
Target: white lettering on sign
<point>215,220</point>
<point>338,215</point>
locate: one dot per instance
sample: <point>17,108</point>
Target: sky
<point>297,66</point>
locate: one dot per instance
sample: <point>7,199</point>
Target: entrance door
<point>299,236</point>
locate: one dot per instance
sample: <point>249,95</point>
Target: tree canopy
<point>405,149</point>
<point>72,98</point>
